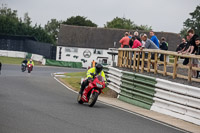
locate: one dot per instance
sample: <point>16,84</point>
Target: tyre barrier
<point>170,98</point>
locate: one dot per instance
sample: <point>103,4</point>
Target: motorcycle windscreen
<point>100,78</point>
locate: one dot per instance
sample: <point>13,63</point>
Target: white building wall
<point>84,55</point>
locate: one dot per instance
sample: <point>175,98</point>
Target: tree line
<point>11,24</point>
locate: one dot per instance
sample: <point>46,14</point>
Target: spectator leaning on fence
<point>154,38</point>
<point>192,49</point>
<point>125,41</point>
<point>163,46</point>
<point>192,44</point>
<point>186,60</point>
<point>181,46</point>
<point>195,62</point>
<point>135,43</point>
<point>148,44</point>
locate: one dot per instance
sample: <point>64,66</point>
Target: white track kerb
<point>170,98</point>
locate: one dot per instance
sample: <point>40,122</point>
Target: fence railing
<point>148,60</point>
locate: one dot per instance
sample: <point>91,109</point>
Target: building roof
<point>102,38</point>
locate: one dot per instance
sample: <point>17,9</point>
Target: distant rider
<point>31,62</point>
<point>25,62</point>
<point>97,70</point>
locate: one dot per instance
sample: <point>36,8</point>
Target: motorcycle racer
<point>91,73</point>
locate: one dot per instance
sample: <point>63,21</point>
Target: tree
<point>52,27</point>
<point>27,19</point>
<point>120,23</point>
<point>10,24</point>
<point>192,23</point>
<point>79,21</point>
<point>123,23</point>
<point>8,20</point>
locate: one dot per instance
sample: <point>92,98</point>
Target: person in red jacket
<point>136,43</point>
<point>125,41</point>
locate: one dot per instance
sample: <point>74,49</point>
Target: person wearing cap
<point>148,44</point>
<point>125,41</point>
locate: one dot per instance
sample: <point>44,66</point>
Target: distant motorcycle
<point>23,68</point>
<point>30,68</point>
<point>96,87</point>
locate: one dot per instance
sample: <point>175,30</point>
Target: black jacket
<point>192,43</point>
<point>163,46</point>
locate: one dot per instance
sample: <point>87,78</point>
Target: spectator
<point>181,46</point>
<point>186,60</point>
<point>149,45</point>
<point>93,63</point>
<point>130,35</point>
<point>195,62</point>
<point>125,41</point>
<point>154,38</point>
<point>136,43</point>
<point>192,48</point>
<point>163,46</point>
<point>136,34</point>
<point>0,67</point>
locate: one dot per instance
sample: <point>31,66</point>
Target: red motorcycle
<point>30,67</point>
<point>95,87</point>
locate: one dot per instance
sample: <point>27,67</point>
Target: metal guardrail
<point>178,100</point>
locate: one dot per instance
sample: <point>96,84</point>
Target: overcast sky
<point>162,15</point>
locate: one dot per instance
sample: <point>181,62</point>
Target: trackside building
<point>85,44</point>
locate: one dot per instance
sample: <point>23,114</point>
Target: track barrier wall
<point>50,62</point>
<point>13,53</point>
<point>170,98</point>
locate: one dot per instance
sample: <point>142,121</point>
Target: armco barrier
<point>178,100</point>
<point>174,99</point>
<point>63,63</point>
<point>37,57</point>
<point>13,53</point>
<point>114,75</point>
<point>18,54</point>
<point>136,89</point>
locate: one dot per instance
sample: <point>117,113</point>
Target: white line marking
<point>128,111</point>
<point>65,86</point>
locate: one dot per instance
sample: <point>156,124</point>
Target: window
<point>98,51</point>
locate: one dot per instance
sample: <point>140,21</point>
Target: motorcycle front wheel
<point>79,99</point>
<point>93,99</point>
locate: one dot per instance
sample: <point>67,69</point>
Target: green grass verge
<point>74,80</point>
<point>14,60</point>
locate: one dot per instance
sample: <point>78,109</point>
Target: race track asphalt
<point>37,103</point>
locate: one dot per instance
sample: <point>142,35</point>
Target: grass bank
<point>73,80</point>
<point>14,60</point>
